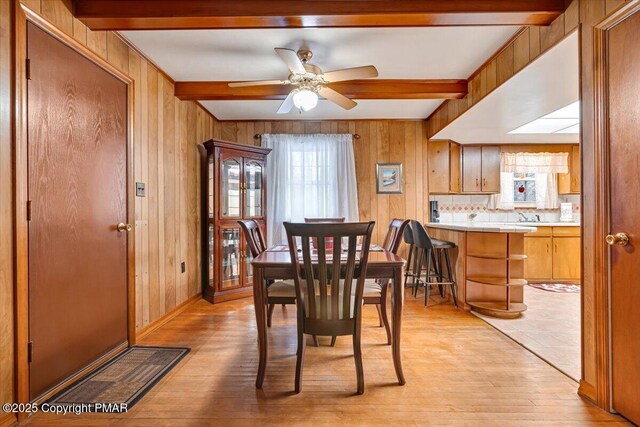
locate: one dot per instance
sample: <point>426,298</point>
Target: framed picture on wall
<point>389,178</point>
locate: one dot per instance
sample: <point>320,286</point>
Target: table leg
<point>261,321</point>
<point>397,302</point>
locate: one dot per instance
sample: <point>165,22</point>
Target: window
<point>524,189</point>
<point>309,176</point>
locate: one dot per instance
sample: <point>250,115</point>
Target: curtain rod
<point>259,136</point>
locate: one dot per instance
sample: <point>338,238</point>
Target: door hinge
<point>28,69</point>
<point>28,210</point>
<point>30,351</point>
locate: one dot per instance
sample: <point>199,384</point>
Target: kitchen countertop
<point>550,224</point>
<point>487,227</point>
<point>499,227</point>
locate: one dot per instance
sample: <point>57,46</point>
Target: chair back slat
<point>348,278</point>
<point>327,287</point>
<point>254,237</point>
<point>335,278</point>
<point>308,277</point>
<point>394,235</point>
<point>322,277</point>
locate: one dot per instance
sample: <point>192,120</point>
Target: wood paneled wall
<point>380,141</point>
<point>166,131</point>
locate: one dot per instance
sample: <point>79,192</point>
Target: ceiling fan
<point>310,82</point>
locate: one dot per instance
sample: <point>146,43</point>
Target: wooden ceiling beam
<point>355,89</point>
<point>221,14</point>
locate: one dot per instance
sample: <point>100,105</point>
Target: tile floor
<point>550,328</point>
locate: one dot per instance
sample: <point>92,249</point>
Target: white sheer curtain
<point>309,176</point>
<point>546,166</point>
<point>504,200</point>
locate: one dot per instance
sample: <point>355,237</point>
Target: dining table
<point>275,264</point>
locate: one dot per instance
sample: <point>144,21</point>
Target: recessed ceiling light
<point>563,120</point>
<point>570,129</point>
<point>545,126</point>
<point>571,111</point>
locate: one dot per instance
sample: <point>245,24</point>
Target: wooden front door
<point>77,140</point>
<point>623,52</point>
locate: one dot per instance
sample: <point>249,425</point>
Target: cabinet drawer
<point>541,232</point>
<point>566,231</point>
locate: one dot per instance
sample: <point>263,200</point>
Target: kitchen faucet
<point>523,217</point>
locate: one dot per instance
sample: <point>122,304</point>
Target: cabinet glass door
<point>231,260</point>
<point>211,243</point>
<point>230,188</point>
<point>253,189</point>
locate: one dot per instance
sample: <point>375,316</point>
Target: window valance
<point>534,162</point>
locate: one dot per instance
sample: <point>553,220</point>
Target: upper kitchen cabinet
<point>481,169</point>
<point>569,183</point>
<point>444,167</point>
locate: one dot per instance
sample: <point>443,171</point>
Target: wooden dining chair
<point>279,292</point>
<point>329,303</point>
<point>375,291</point>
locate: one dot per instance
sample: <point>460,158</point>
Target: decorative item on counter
<point>566,212</point>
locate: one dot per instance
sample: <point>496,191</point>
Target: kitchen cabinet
<point>569,183</point>
<point>539,262</point>
<point>566,258</point>
<point>471,169</point>
<point>233,187</point>
<point>481,169</point>
<point>553,253</point>
<point>444,167</point>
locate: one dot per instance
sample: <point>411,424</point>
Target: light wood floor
<point>459,371</point>
<point>550,328</point>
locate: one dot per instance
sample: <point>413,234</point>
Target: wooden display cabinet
<point>233,187</point>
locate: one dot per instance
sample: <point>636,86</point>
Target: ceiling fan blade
<point>287,104</point>
<point>337,98</point>
<point>290,57</point>
<point>366,72</point>
<point>259,83</point>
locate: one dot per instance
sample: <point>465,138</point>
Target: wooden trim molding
<point>602,220</point>
<point>167,317</point>
<point>200,14</point>
<point>23,15</point>
<point>356,89</point>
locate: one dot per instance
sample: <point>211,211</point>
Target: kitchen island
<point>488,265</point>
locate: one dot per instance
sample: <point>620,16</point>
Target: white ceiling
<point>366,109</point>
<point>398,53</point>
<point>547,84</point>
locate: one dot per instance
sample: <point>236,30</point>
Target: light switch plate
<point>139,189</point>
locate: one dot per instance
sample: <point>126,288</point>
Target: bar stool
<point>426,249</point>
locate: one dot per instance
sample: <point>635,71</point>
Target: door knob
<point>618,239</point>
<point>124,227</point>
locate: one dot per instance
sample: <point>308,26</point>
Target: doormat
<point>123,380</point>
<point>557,287</point>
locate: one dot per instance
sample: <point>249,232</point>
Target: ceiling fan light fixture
<point>305,99</point>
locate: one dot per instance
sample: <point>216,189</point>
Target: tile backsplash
<point>456,208</point>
